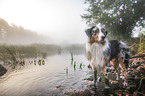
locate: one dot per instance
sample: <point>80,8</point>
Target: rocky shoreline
<point>3,70</point>
<point>135,79</point>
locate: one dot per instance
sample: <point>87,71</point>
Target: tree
<point>4,25</point>
<point>119,16</point>
<point>18,35</point>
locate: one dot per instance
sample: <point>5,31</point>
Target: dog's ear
<point>88,31</point>
<point>106,32</point>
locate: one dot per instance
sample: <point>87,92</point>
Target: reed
<point>12,58</point>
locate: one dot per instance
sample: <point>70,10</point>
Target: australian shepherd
<point>101,52</point>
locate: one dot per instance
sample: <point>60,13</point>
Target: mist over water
<point>17,35</point>
<point>48,22</point>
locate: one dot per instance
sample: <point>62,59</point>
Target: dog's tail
<point>126,59</point>
<point>125,52</point>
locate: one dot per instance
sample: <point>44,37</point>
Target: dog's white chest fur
<point>96,53</point>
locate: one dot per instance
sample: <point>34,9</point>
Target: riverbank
<point>135,80</point>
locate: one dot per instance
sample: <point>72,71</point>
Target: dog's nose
<point>103,37</point>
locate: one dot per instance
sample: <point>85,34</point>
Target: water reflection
<point>39,62</point>
<point>56,75</point>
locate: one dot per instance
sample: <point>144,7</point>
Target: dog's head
<point>96,34</point>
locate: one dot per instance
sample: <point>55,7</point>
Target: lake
<point>56,76</point>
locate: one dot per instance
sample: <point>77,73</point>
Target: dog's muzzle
<point>102,38</point>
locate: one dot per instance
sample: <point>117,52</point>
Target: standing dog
<point>101,52</point>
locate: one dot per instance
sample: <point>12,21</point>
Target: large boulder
<point>3,70</point>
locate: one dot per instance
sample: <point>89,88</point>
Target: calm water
<point>46,80</point>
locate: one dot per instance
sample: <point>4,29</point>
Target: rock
<point>89,78</point>
<point>136,78</point>
<point>83,92</point>
<point>60,87</point>
<point>99,79</point>
<point>3,70</point>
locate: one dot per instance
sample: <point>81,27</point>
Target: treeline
<point>120,17</point>
<point>12,34</point>
<point>39,50</point>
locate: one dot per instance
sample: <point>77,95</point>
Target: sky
<point>60,20</point>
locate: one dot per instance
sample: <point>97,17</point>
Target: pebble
<point>3,70</point>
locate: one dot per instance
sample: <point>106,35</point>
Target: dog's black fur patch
<point>89,31</point>
<point>115,50</point>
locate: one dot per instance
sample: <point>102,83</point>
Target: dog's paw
<point>92,83</point>
<point>99,79</point>
<point>114,82</point>
<point>125,84</point>
<point>107,87</point>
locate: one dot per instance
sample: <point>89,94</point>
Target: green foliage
<point>137,45</point>
<point>119,16</point>
<point>141,44</point>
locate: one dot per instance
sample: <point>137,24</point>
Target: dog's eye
<point>97,30</point>
<point>93,32</point>
<point>103,30</point>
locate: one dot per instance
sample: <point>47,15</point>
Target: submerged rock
<point>83,92</point>
<point>3,70</point>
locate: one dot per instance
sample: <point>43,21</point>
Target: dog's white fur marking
<point>100,35</point>
<point>96,51</point>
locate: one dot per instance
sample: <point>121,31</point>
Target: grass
<point>12,58</point>
<point>14,55</point>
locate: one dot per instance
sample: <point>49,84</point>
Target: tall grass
<point>137,45</point>
<point>141,44</point>
<point>12,58</point>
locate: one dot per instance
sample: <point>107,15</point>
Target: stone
<point>83,92</point>
<point>3,70</point>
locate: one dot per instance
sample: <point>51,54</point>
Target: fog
<point>43,21</point>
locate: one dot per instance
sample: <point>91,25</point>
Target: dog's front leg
<point>106,78</point>
<point>124,70</point>
<point>89,55</point>
<point>95,75</point>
